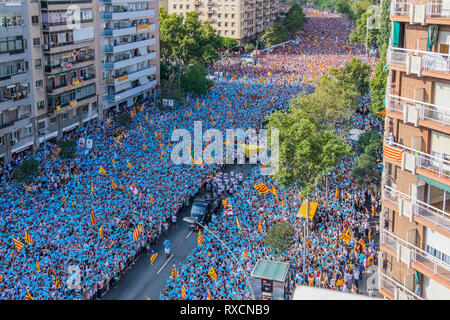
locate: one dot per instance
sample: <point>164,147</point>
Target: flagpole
<point>240,265</point>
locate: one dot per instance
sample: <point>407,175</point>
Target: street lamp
<point>191,221</point>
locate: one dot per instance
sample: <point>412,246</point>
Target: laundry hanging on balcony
<point>396,34</point>
<point>432,33</point>
<point>393,153</point>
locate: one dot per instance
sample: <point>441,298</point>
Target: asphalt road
<point>143,280</point>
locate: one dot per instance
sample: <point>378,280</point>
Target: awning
<point>434,183</point>
<point>48,136</point>
<point>72,126</point>
<point>23,147</point>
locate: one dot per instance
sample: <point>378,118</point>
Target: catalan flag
<point>102,171</point>
<point>261,187</point>
<point>200,238</point>
<point>100,231</point>
<point>339,283</point>
<point>212,273</point>
<point>382,112</point>
<point>261,79</point>
<point>273,190</point>
<point>111,242</point>
<point>28,296</point>
<point>19,245</point>
<point>336,193</point>
<point>64,200</point>
<point>29,188</point>
<point>174,272</point>
<point>92,218</point>
<point>92,188</point>
<point>129,165</point>
<point>183,292</point>
<point>225,203</point>
<point>113,185</point>
<point>260,228</point>
<point>1,278</point>
<point>57,283</point>
<point>27,237</point>
<point>137,232</point>
<point>209,295</point>
<point>153,255</point>
<point>393,153</point>
<point>346,237</point>
<point>245,254</point>
<point>238,224</point>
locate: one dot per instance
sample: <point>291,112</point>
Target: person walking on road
<point>167,248</point>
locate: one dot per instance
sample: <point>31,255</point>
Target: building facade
<point>17,80</point>
<point>243,20</point>
<point>415,219</point>
<point>130,51</point>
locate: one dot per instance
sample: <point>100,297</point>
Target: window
<point>28,130</point>
<point>37,62</point>
<point>36,41</point>
<point>40,105</point>
<point>64,116</point>
<point>39,84</point>
<point>85,109</point>
<point>52,120</point>
<point>35,19</point>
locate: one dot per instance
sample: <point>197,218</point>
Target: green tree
<point>228,43</point>
<point>194,79</point>
<point>306,150</point>
<point>280,237</point>
<point>378,84</point>
<point>367,138</point>
<point>356,72</point>
<point>294,20</point>
<point>27,171</point>
<point>249,47</point>
<point>68,148</point>
<point>275,34</point>
<point>365,170</point>
<point>164,71</point>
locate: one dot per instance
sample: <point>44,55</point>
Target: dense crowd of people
<point>81,219</point>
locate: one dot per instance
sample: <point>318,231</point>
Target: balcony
<point>130,93</point>
<point>128,62</point>
<point>418,162</point>
<point>128,15</point>
<point>415,257</point>
<point>118,32</point>
<point>149,70</point>
<point>420,113</point>
<point>416,210</point>
<point>425,13</point>
<point>421,63</point>
<point>60,66</point>
<point>61,88</point>
<point>128,46</point>
<point>394,290</point>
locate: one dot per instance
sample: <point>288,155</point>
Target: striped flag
<point>137,232</point>
<point>27,237</point>
<point>340,283</point>
<point>273,190</point>
<point>92,218</point>
<point>336,193</point>
<point>153,255</point>
<point>129,165</point>
<point>113,185</point>
<point>245,254</point>
<point>346,237</point>
<point>64,200</point>
<point>225,203</point>
<point>38,266</point>
<point>102,171</point>
<point>212,273</point>
<point>382,112</point>
<point>29,188</point>
<point>260,228</point>
<point>1,278</point>
<point>100,231</point>
<point>111,242</point>
<point>57,283</point>
<point>393,153</point>
<point>19,245</point>
<point>28,296</point>
<point>261,187</point>
<point>174,272</point>
<point>200,238</point>
<point>238,224</point>
<point>183,292</point>
<point>92,188</point>
<point>209,295</point>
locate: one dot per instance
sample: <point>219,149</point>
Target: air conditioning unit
<point>41,131</point>
<point>14,141</point>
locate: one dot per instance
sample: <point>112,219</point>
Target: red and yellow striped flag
<point>137,232</point>
<point>28,296</point>
<point>273,190</point>
<point>340,283</point>
<point>225,203</point>
<point>113,185</point>
<point>100,231</point>
<point>174,272</point>
<point>238,224</point>
<point>245,254</point>
<point>153,257</point>
<point>261,187</point>
<point>393,153</point>
<point>200,238</point>
<point>27,237</point>
<point>92,188</point>
<point>57,283</point>
<point>64,200</point>
<point>102,171</point>
<point>212,273</point>
<point>260,228</point>
<point>92,218</point>
<point>38,266</point>
<point>209,295</point>
<point>19,245</point>
<point>183,292</point>
<point>129,165</point>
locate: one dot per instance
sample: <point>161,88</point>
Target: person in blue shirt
<point>167,248</point>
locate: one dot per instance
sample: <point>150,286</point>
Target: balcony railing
<point>416,255</point>
<point>438,165</point>
<point>400,8</point>
<point>425,111</point>
<point>392,286</point>
<point>438,10</point>
<point>433,9</point>
<point>429,61</point>
<point>432,215</point>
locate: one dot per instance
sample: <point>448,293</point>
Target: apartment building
<point>243,20</point>
<point>415,220</point>
<point>17,81</point>
<point>130,51</point>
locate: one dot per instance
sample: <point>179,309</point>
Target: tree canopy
<point>195,80</point>
<point>280,236</point>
